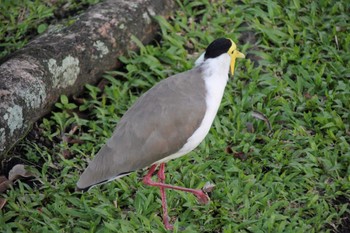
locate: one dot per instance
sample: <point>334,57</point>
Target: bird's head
<point>221,46</point>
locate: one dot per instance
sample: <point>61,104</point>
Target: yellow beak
<point>234,55</point>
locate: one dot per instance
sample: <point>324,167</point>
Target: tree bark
<point>63,60</point>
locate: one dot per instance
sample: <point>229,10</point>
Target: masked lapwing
<point>168,121</point>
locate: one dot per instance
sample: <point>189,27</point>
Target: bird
<point>168,121</point>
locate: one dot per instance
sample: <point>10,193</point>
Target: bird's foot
<point>167,225</point>
<point>202,197</point>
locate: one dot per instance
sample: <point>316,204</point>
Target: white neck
<point>215,75</point>
<point>216,72</point>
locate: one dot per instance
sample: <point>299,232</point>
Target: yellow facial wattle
<point>234,54</point>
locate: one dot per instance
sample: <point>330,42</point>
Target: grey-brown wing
<point>156,126</point>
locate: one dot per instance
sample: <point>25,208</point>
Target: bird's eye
<point>232,51</point>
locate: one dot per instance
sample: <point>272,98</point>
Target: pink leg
<point>161,177</point>
<point>201,196</point>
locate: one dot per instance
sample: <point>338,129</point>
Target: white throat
<point>215,75</point>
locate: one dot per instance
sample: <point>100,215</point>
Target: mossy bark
<point>65,58</point>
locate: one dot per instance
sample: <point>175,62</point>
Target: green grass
<point>296,177</point>
<point>21,21</point>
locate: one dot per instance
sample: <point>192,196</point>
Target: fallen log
<point>62,60</point>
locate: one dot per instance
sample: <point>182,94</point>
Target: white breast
<point>215,76</point>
